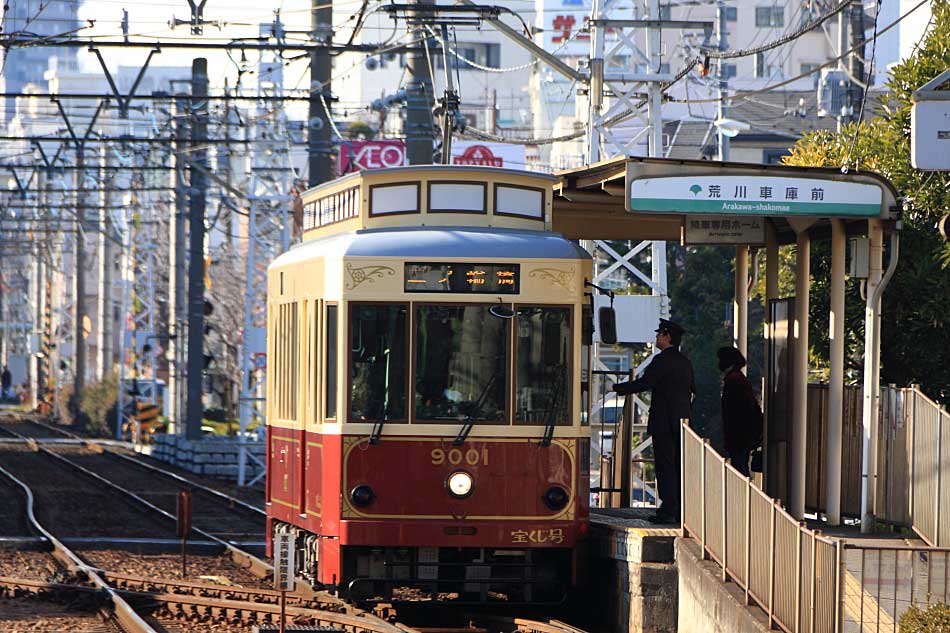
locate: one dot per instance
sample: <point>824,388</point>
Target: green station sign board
<point>755,195</point>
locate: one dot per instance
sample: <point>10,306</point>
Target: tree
<point>915,332</point>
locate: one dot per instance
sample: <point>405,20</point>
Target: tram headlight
<point>460,484</point>
<point>555,498</point>
<point>362,495</point>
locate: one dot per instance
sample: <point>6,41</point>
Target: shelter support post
<point>740,305</point>
<point>872,341</point>
<point>800,379</point>
<point>836,376</point>
<point>771,292</point>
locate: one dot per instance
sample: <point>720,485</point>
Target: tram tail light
<point>555,498</point>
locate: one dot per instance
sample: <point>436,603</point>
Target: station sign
<point>724,229</point>
<point>754,196</point>
<point>561,27</point>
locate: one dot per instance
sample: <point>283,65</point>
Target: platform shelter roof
<point>658,199</point>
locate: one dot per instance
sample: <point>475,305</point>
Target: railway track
<point>132,601</point>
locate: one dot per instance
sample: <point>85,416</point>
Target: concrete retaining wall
<point>706,604</point>
<point>214,456</point>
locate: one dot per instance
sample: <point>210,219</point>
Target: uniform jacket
<point>741,415</point>
<point>670,378</point>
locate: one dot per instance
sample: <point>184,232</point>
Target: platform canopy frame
<point>751,205</point>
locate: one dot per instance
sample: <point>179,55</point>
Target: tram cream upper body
<point>356,249</point>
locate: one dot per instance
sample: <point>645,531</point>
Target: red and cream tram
<point>424,421</point>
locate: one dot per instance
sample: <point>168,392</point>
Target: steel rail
<point>126,616</point>
<point>240,557</point>
<point>352,621</point>
<point>155,469</point>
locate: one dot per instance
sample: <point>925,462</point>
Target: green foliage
<point>99,404</point>
<point>915,303</point>
<point>360,130</point>
<point>935,619</point>
<point>702,283</point>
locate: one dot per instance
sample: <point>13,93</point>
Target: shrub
<point>99,404</point>
<point>935,619</point>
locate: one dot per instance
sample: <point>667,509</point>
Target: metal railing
<point>789,570</point>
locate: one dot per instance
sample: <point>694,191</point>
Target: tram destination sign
<point>462,278</point>
<point>755,196</point>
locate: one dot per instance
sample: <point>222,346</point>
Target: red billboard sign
<point>358,155</point>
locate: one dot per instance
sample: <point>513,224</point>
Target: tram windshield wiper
<point>551,422</point>
<point>476,411</point>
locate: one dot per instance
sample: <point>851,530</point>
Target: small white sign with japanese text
<point>284,567</point>
<point>723,229</point>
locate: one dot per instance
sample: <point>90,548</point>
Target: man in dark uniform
<point>669,376</point>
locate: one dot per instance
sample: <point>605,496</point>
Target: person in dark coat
<point>6,380</point>
<point>741,415</point>
<point>669,377</point>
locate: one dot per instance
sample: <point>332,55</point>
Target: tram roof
<point>590,202</point>
<point>438,242</point>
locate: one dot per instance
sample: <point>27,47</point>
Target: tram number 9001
<point>457,456</point>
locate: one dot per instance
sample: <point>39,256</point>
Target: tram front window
<point>461,364</point>
<point>378,362</point>
<point>542,365</point>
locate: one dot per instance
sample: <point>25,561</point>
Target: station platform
<point>633,572</point>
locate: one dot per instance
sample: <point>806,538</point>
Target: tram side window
<point>288,361</point>
<point>330,370</point>
<point>461,366</point>
<point>378,365</point>
<point>542,365</point>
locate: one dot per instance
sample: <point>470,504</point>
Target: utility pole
<point>104,311</point>
<point>841,116</point>
<point>418,122</point>
<point>319,147</point>
<point>857,58</point>
<point>177,261</point>
<point>450,101</point>
<point>196,223</point>
<point>79,279</point>
<point>723,106</point>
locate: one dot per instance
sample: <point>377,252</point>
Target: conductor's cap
<point>670,327</point>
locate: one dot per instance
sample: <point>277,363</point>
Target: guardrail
<point>792,572</point>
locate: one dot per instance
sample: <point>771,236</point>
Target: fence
<point>790,571</point>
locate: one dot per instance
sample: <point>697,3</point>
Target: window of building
<point>666,12</point>
<point>542,366</point>
<point>773,156</point>
<point>770,17</point>
<point>461,369</point>
<point>762,68</point>
<point>488,55</point>
<point>728,70</point>
<point>378,365</point>
<point>732,14</point>
<point>330,369</point>
<point>809,68</point>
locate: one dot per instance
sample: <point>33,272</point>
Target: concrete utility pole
<point>196,222</point>
<point>418,122</point>
<point>841,116</point>
<point>319,147</point>
<point>856,92</point>
<point>104,295</point>
<point>176,257</point>
<point>723,106</point>
<point>79,278</point>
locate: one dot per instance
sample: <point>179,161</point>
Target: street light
<point>731,127</point>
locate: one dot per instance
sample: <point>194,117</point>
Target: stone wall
<point>633,578</point>
<point>213,456</point>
